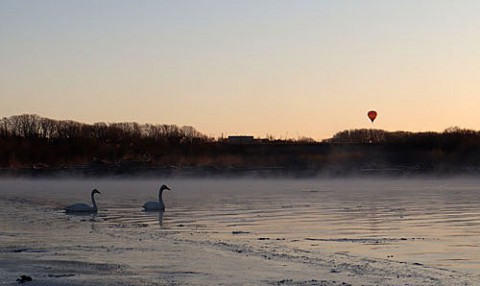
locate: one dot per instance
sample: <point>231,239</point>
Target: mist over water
<point>429,223</point>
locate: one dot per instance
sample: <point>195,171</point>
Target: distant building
<point>240,139</point>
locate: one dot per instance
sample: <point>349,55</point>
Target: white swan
<point>84,208</point>
<point>156,206</point>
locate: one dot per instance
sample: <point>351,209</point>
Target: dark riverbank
<point>133,170</point>
<point>31,145</point>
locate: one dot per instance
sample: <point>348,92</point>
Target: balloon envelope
<point>372,114</point>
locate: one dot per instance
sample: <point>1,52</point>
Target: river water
<point>243,231</point>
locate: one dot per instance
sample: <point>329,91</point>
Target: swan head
<point>95,191</point>
<point>164,187</point>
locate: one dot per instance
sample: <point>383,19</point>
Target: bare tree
<point>129,129</point>
<point>190,135</point>
<point>4,128</point>
<point>25,125</point>
<point>48,128</point>
<point>99,131</point>
<point>69,130</point>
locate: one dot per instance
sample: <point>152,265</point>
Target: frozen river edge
<point>193,263</point>
<point>132,255</point>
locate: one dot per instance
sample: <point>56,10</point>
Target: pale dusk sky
<point>263,67</point>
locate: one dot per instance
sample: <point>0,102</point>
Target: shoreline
<point>115,170</point>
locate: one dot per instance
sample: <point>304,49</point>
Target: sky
<point>287,69</point>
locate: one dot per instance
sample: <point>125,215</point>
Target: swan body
<point>84,208</point>
<point>156,206</point>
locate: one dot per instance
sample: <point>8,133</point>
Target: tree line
<point>453,137</point>
<point>32,141</point>
<point>453,150</point>
<point>32,126</point>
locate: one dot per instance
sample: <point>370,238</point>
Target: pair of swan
<point>148,206</point>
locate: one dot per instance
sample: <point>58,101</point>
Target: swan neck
<point>160,194</point>
<point>93,201</point>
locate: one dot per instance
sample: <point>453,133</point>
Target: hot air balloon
<point>372,114</point>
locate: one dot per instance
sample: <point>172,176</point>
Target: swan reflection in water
<point>160,218</point>
<point>82,208</point>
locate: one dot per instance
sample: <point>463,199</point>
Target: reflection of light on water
<point>429,222</point>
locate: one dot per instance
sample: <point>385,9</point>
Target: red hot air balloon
<point>372,114</point>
